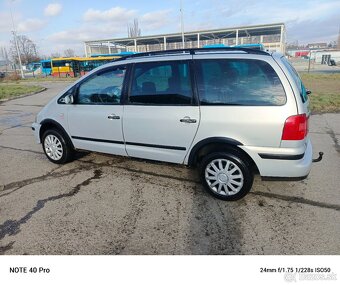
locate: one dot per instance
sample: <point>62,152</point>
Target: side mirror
<point>308,92</point>
<point>69,99</point>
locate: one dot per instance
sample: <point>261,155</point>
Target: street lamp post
<point>16,43</point>
<point>18,52</point>
<point>182,25</point>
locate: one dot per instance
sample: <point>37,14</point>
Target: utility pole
<point>16,42</point>
<point>182,25</point>
<point>338,43</point>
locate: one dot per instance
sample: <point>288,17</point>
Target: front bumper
<point>36,131</point>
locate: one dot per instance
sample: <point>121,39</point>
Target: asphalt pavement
<point>102,204</point>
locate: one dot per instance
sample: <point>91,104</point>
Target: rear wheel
<point>56,147</point>
<point>226,176</point>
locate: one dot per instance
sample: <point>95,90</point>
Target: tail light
<point>295,128</point>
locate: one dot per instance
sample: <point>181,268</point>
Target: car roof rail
<point>193,51</point>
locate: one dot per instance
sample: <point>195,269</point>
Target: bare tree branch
<point>27,49</point>
<point>134,30</point>
<point>55,54</point>
<point>69,52</point>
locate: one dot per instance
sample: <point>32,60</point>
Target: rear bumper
<point>36,131</point>
<point>282,163</point>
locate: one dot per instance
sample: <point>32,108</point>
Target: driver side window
<point>102,88</point>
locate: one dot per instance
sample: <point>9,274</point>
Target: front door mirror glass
<point>69,99</point>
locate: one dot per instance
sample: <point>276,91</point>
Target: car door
<point>161,115</point>
<point>95,118</point>
<point>242,97</point>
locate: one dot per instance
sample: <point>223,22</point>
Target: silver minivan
<point>230,112</point>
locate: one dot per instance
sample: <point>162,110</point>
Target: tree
<point>134,30</point>
<point>27,49</point>
<point>69,52</point>
<point>55,54</point>
<point>3,54</point>
<point>332,44</point>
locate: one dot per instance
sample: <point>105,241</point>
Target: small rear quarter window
<point>296,78</point>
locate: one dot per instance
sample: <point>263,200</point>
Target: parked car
<point>2,74</point>
<point>229,112</point>
<point>332,62</point>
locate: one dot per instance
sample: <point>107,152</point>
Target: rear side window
<point>161,83</point>
<point>238,82</point>
<point>297,79</point>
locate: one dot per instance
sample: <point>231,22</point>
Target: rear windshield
<point>297,79</point>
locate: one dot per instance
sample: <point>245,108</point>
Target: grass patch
<point>49,79</point>
<point>10,79</point>
<point>325,89</point>
<point>12,90</point>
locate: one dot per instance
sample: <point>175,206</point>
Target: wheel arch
<point>52,124</point>
<point>217,144</point>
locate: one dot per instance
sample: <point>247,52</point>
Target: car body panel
<point>282,167</point>
<point>91,128</point>
<point>159,125</point>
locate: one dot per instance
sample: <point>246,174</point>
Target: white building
<point>272,36</point>
<point>325,55</point>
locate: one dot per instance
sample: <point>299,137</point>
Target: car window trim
<point>126,83</point>
<point>195,99</point>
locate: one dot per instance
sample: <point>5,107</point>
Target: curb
<point>22,96</point>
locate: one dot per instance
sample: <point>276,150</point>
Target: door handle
<point>188,120</point>
<point>113,117</point>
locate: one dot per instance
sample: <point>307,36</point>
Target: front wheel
<point>56,147</point>
<point>226,176</point>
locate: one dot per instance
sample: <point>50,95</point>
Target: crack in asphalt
<point>293,199</point>
<point>20,149</point>
<point>142,171</point>
<point>157,175</point>
<point>332,134</point>
<point>47,176</point>
<point>12,111</point>
<point>7,247</point>
<point>298,200</point>
<point>322,133</point>
<point>9,193</point>
<point>11,127</point>
<point>7,120</point>
<point>37,105</point>
<point>334,138</point>
<point>92,164</point>
<point>12,227</point>
<point>127,228</point>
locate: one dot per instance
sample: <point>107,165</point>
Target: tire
<point>226,176</point>
<point>56,147</point>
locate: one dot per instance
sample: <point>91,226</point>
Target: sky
<point>58,25</point>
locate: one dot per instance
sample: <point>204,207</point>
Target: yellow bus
<point>77,66</point>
